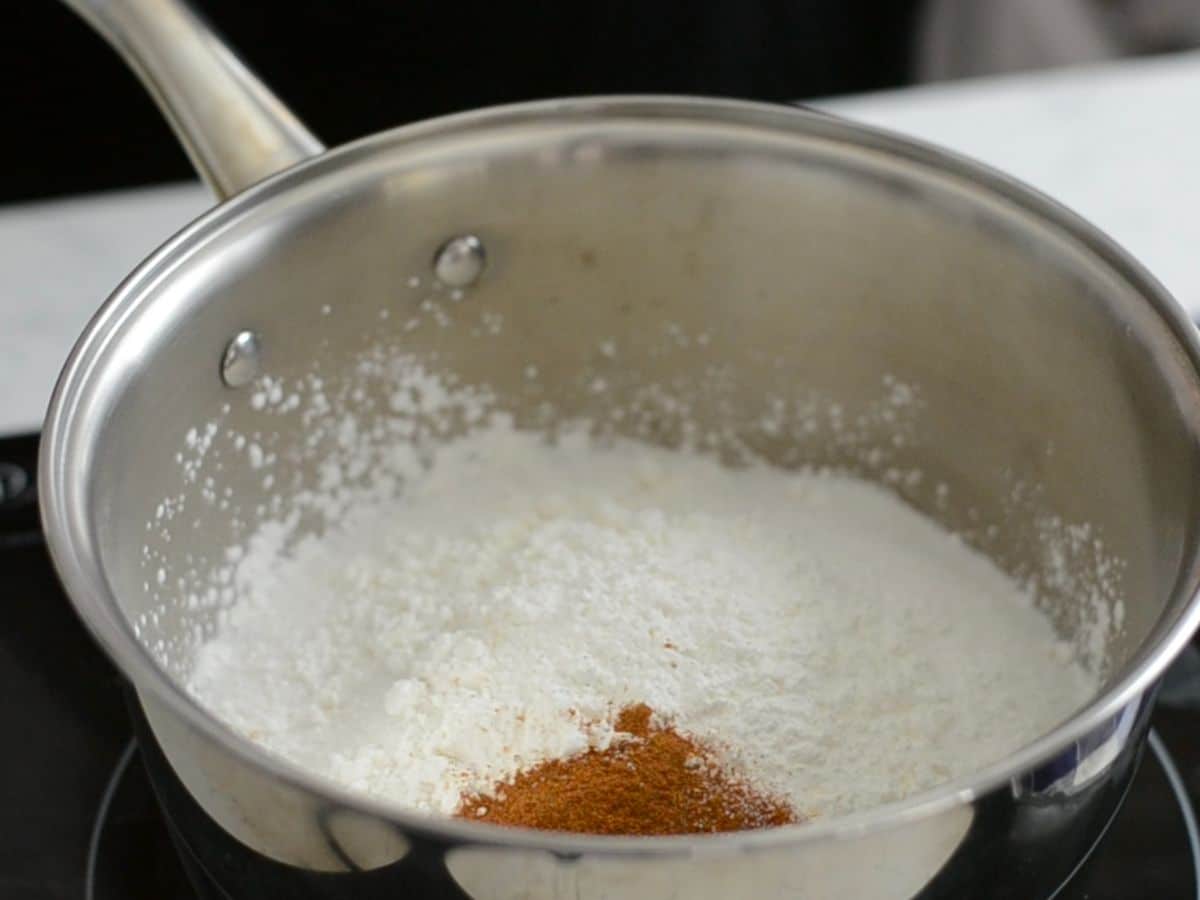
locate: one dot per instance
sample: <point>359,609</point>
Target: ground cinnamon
<point>657,781</point>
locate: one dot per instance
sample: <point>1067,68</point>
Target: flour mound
<point>836,647</point>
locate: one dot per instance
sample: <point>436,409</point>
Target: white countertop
<point>1119,143</point>
<point>58,261</point>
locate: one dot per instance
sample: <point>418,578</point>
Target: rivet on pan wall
<point>459,261</point>
<point>242,359</point>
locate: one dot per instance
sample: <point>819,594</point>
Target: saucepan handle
<point>233,128</point>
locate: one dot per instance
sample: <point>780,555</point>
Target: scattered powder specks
<point>517,594</point>
<point>463,600</point>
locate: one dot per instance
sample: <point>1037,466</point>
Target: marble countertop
<point>1119,143</point>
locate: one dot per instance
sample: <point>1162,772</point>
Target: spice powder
<point>655,782</point>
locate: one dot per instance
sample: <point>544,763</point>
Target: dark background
<point>77,120</point>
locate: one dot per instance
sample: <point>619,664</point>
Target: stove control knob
<point>14,481</point>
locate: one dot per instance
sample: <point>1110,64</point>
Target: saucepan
<point>1054,422</point>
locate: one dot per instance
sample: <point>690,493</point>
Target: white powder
<point>840,649</point>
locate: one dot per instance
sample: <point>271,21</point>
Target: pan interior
<point>770,294</point>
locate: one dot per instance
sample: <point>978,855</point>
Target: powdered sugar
<point>416,582</point>
<point>838,647</point>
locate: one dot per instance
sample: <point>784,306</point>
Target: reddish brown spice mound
<point>656,782</point>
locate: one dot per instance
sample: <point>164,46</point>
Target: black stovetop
<point>79,819</point>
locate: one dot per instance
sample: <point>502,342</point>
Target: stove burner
<point>1186,810</point>
<point>110,790</point>
<point>132,853</point>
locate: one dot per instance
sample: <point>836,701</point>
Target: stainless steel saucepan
<point>1054,421</point>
